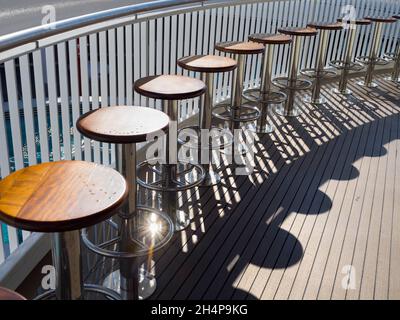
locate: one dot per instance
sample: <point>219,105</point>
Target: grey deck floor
<point>321,210</point>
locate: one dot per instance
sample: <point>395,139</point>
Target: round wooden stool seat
<point>356,22</point>
<point>381,19</point>
<point>207,63</point>
<point>326,25</point>
<point>122,124</point>
<point>61,196</point>
<point>267,38</point>
<point>238,47</point>
<point>7,294</point>
<point>396,16</point>
<point>170,87</point>
<point>299,32</point>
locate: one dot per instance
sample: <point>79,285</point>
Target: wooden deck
<point>322,202</point>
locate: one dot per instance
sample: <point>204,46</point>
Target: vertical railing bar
<point>84,79</point>
<point>136,59</point>
<point>53,102</point>
<point>41,106</point>
<point>75,97</point>
<point>11,82</point>
<point>94,82</point>
<point>112,67</point>
<point>64,95</point>
<point>129,64</point>
<point>104,87</point>
<point>112,62</point>
<point>121,66</point>
<point>28,108</point>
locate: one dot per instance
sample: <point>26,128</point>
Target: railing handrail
<point>31,35</point>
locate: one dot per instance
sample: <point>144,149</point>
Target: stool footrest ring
<point>318,74</point>
<point>223,134</point>
<point>287,84</point>
<point>247,113</point>
<point>391,56</point>
<point>178,185</point>
<point>265,97</point>
<point>367,60</point>
<point>342,65</point>
<point>165,231</point>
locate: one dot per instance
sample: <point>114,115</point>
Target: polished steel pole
<point>351,36</point>
<point>321,62</point>
<point>289,109</point>
<point>205,123</point>
<point>237,90</point>
<point>376,39</point>
<point>169,172</point>
<point>395,76</point>
<point>129,268</point>
<point>263,125</point>
<point>66,252</point>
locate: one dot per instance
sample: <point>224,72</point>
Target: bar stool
<point>346,65</point>
<point>372,59</point>
<point>141,230</point>
<point>266,94</point>
<point>292,83</point>
<point>208,65</point>
<point>61,198</point>
<point>7,294</point>
<point>236,112</point>
<point>319,73</point>
<point>395,57</point>
<point>173,175</point>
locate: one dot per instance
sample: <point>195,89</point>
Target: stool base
<point>280,110</point>
<point>260,129</point>
<point>362,83</point>
<point>106,292</point>
<point>182,220</point>
<point>346,92</point>
<point>147,283</point>
<point>321,100</point>
<point>392,80</point>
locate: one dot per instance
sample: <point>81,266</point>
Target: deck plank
<point>325,194</point>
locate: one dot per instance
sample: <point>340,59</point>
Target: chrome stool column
<point>140,231</point>
<point>266,94</point>
<point>60,198</point>
<point>395,57</point>
<point>292,83</point>
<point>319,73</point>
<point>236,112</point>
<point>173,175</point>
<point>208,65</point>
<point>372,59</point>
<point>346,65</point>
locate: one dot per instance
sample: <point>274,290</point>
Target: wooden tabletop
<point>302,32</point>
<point>326,25</point>
<point>238,47</point>
<point>357,21</point>
<point>267,38</point>
<point>207,63</point>
<point>7,294</point>
<point>122,124</point>
<point>382,19</point>
<point>61,196</point>
<point>170,87</point>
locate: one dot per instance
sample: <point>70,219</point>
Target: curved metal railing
<point>51,74</point>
